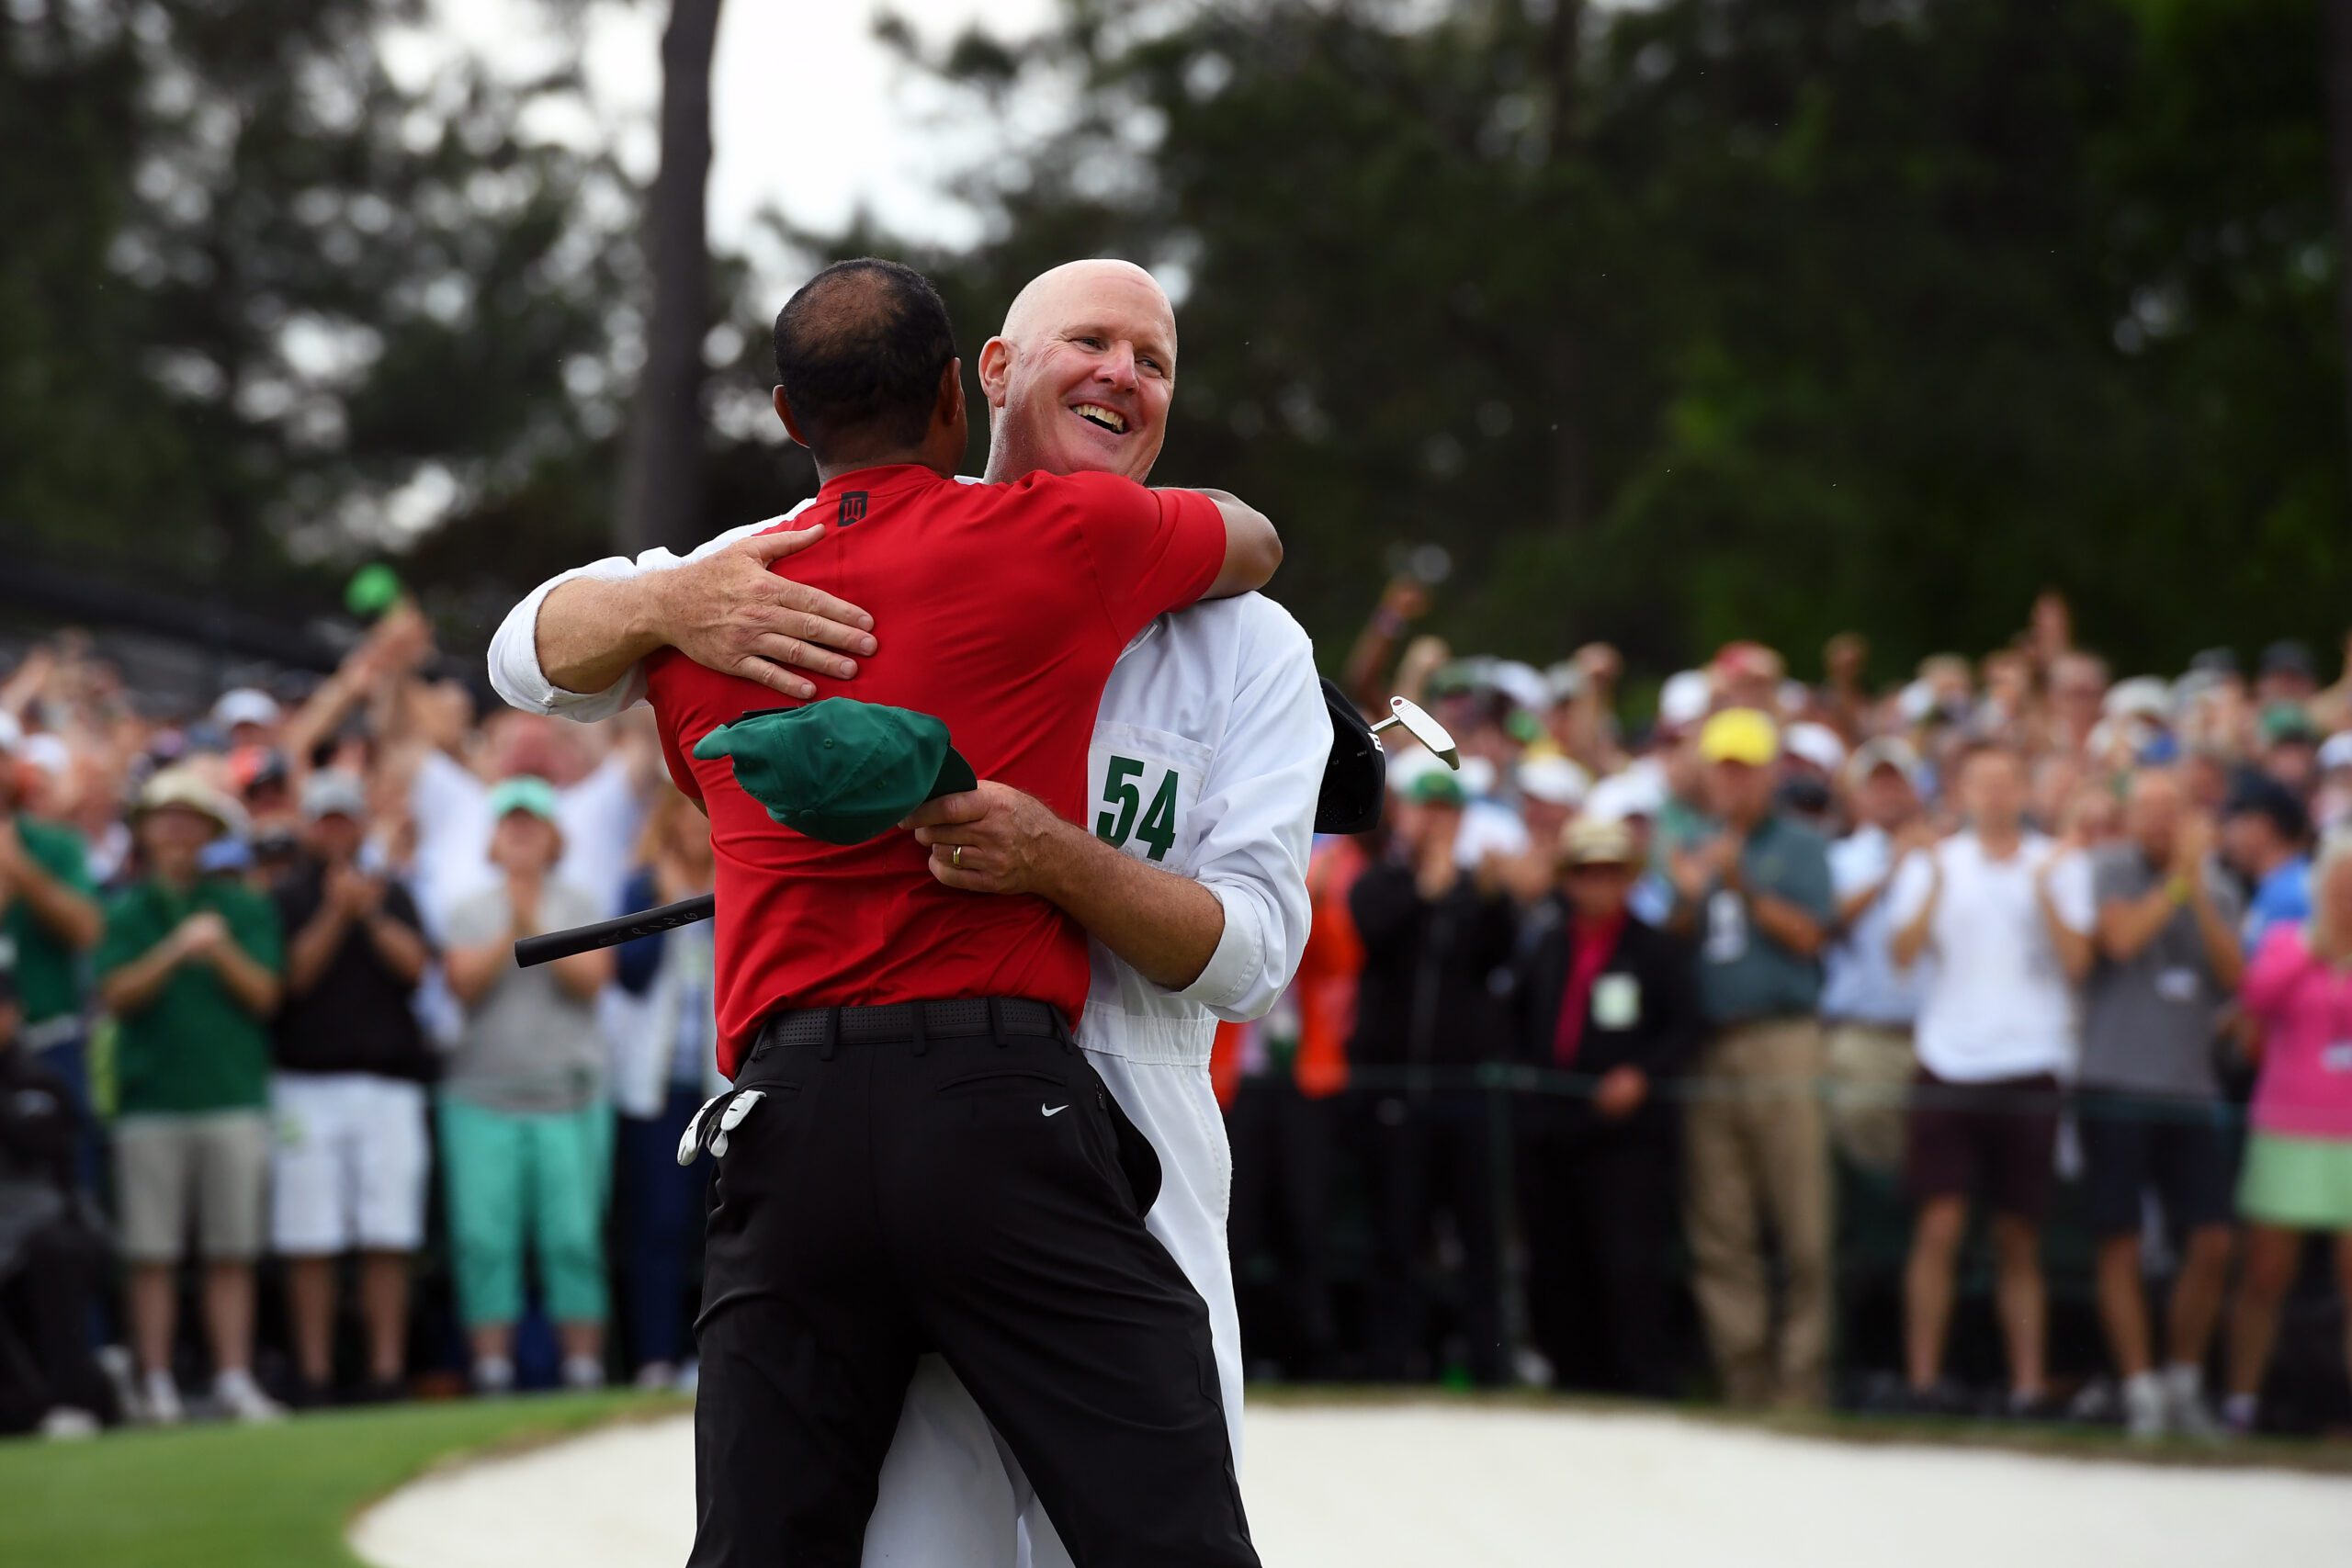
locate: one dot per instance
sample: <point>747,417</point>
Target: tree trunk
<point>1562,56</point>
<point>662,489</point>
<point>2339,148</point>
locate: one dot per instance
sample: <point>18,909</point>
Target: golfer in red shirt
<point>916,1157</point>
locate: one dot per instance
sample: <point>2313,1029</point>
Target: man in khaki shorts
<point>189,968</point>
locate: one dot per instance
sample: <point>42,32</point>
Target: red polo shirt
<point>999,609</point>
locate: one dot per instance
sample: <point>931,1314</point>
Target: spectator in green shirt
<point>50,918</point>
<point>190,966</point>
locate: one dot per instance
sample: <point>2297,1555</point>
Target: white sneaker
<point>242,1399</point>
<point>2185,1409</point>
<point>493,1376</point>
<point>2145,1409</point>
<point>689,1377</point>
<point>583,1374</point>
<point>66,1424</point>
<point>657,1377</point>
<point>159,1401</point>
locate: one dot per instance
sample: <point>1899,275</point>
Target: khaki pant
<point>1757,1152</point>
<point>1870,1069</point>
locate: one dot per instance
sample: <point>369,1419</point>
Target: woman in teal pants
<point>525,1127</point>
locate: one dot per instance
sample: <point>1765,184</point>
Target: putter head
<point>1425,729</point>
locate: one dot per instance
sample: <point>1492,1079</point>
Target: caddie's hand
<point>728,612</point>
<point>989,839</point>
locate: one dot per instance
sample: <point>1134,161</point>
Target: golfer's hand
<point>1010,843</point>
<point>728,612</point>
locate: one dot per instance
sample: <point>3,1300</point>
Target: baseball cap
<point>12,734</point>
<point>1522,684</point>
<point>2335,752</point>
<point>524,792</point>
<point>1590,841</point>
<point>1886,751</point>
<point>1739,735</point>
<point>2288,657</point>
<point>2215,661</point>
<point>2287,721</point>
<point>1437,787</point>
<point>839,770</point>
<point>1684,699</point>
<point>1556,780</point>
<point>1817,744</point>
<point>2142,696</point>
<point>1639,791</point>
<point>2257,794</point>
<point>331,791</point>
<point>1567,681</point>
<point>246,704</point>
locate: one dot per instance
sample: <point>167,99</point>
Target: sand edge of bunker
<point>562,1426</point>
<point>2079,1442</point>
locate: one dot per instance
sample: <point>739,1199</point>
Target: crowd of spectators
<point>1594,1039</point>
<point>2010,938</point>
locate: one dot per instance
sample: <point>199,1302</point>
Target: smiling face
<point>1080,380</point>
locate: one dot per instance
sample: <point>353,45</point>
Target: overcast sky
<point>808,112</point>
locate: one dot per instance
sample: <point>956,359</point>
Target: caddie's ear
<point>996,370</point>
<point>783,413</point>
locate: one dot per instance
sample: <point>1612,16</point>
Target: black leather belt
<point>967,1018</point>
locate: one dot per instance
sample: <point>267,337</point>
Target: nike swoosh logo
<point>1053,1110</point>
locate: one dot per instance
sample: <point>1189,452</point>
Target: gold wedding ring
<point>956,860</point>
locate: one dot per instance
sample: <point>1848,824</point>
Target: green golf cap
<point>839,770</point>
<point>522,793</point>
<point>1437,787</point>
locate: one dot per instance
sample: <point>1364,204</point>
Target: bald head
<point>1080,380</point>
<point>1080,286</point>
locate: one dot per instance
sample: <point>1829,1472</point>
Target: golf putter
<point>1423,728</point>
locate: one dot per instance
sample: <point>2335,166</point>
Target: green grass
<point>277,1497</point>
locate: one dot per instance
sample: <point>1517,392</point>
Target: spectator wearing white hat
<point>1550,788</point>
<point>189,967</point>
<point>2332,803</point>
<point>1870,1005</point>
<point>348,1097</point>
<point>1634,798</point>
<point>248,715</point>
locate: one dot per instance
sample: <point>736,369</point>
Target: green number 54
<point>1121,792</point>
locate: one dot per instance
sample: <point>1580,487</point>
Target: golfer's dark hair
<point>859,350</point>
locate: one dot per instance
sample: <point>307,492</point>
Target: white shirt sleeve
<point>515,670</point>
<point>1260,800</point>
<point>2070,892</point>
<point>1908,894</point>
